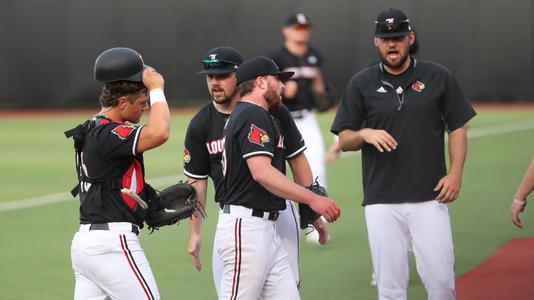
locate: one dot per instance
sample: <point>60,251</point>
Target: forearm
<point>302,173</point>
<point>527,183</point>
<point>196,221</point>
<point>277,183</point>
<point>351,140</point>
<point>159,116</point>
<point>457,150</point>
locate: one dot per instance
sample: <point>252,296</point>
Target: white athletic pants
<point>110,264</point>
<point>315,153</point>
<point>255,265</point>
<point>389,228</point>
<point>287,227</point>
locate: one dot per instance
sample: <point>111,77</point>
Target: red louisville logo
<point>418,86</point>
<point>122,131</point>
<point>257,135</point>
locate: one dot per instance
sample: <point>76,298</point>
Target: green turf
<point>37,160</point>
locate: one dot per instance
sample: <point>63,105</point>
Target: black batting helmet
<point>119,64</point>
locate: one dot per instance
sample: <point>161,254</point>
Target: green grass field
<point>36,160</point>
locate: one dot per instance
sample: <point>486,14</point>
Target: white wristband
<point>157,95</point>
<point>519,201</point>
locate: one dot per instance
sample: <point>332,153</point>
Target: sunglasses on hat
<point>217,64</point>
<point>301,27</point>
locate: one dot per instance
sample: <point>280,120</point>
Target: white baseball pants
<point>110,264</point>
<point>315,152</point>
<point>255,265</point>
<point>390,227</point>
<point>287,227</point>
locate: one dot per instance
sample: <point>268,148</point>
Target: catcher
<point>107,258</point>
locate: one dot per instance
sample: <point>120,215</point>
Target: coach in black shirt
<point>397,112</point>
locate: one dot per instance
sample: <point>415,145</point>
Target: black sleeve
<point>350,113</point>
<point>255,134</point>
<point>116,140</point>
<point>293,141</point>
<point>196,156</point>
<point>455,107</point>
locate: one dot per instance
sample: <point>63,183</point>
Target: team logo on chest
<point>257,135</point>
<point>418,86</point>
<point>187,156</point>
<point>122,131</point>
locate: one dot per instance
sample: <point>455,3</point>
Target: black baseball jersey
<point>251,131</point>
<point>306,69</point>
<point>109,156</point>
<point>417,115</point>
<point>204,143</point>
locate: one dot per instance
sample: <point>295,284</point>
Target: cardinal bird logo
<point>257,135</point>
<point>418,86</point>
<point>187,156</point>
<point>122,131</point>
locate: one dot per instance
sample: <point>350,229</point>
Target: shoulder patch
<point>257,135</point>
<point>187,156</point>
<point>122,131</point>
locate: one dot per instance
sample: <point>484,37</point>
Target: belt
<point>271,215</point>
<point>105,226</point>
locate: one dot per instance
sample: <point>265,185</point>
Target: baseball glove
<point>327,99</point>
<point>175,203</point>
<point>307,215</point>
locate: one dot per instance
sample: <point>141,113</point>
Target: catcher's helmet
<point>117,64</point>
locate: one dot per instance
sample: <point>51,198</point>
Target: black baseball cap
<point>392,23</point>
<point>221,60</point>
<point>260,66</point>
<point>298,19</point>
<point>119,64</point>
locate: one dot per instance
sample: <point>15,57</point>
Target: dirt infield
<point>508,274</point>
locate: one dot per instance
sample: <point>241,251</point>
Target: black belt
<point>273,214</point>
<point>105,226</point>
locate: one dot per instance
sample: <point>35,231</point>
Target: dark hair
<point>112,91</point>
<point>246,87</point>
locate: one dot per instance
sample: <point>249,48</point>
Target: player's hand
<point>152,79</point>
<point>517,207</point>
<point>448,187</point>
<point>381,139</point>
<point>326,207</point>
<point>194,251</point>
<point>291,88</point>
<point>333,153</point>
<point>320,226</point>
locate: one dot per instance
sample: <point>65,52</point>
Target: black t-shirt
<point>109,154</point>
<point>251,131</point>
<point>204,143</point>
<point>432,103</point>
<point>306,68</point>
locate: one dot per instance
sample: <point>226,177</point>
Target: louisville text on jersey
<point>216,146</point>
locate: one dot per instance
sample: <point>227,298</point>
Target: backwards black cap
<point>260,66</point>
<point>221,60</point>
<point>392,23</point>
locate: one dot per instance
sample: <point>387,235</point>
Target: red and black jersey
<point>204,143</point>
<point>109,163</point>
<point>251,131</point>
<point>306,68</point>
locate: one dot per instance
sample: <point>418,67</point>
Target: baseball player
<point>203,150</point>
<point>107,258</point>
<point>303,90</point>
<point>254,262</point>
<point>397,113</point>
